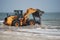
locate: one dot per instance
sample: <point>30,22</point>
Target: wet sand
<point>28,33</point>
<point>26,36</point>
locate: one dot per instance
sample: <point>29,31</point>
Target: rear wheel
<point>16,23</point>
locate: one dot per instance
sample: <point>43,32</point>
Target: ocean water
<point>52,19</point>
<point>49,18</point>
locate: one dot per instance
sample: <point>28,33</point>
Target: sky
<point>44,5</point>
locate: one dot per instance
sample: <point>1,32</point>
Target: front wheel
<point>31,22</point>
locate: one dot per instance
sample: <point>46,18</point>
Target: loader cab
<point>19,13</point>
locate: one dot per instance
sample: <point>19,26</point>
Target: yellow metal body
<point>10,19</point>
<point>27,13</point>
<point>23,20</point>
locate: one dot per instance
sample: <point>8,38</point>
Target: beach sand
<point>36,32</point>
<point>26,36</point>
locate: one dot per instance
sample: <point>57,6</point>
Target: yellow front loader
<point>22,19</point>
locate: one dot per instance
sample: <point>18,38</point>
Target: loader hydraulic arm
<point>34,12</point>
<point>28,12</point>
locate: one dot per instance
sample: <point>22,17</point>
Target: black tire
<point>16,22</point>
<point>31,22</point>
